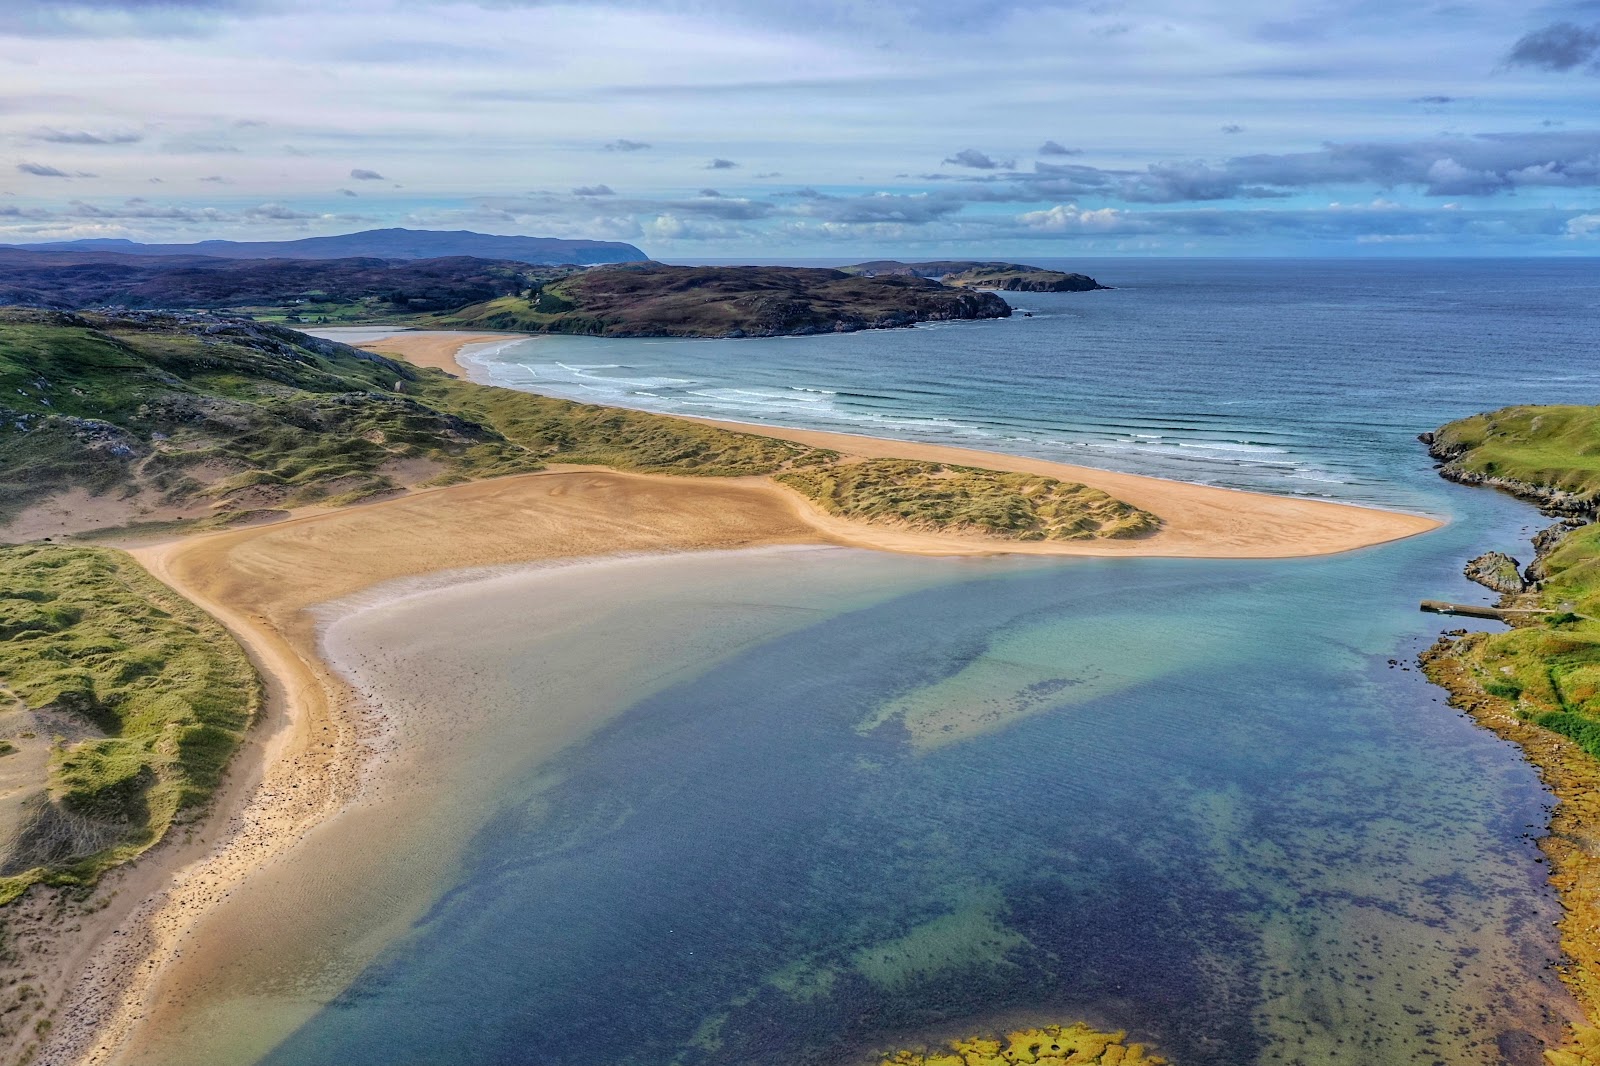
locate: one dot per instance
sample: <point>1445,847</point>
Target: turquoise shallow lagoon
<point>1249,838</point>
<point>829,801</point>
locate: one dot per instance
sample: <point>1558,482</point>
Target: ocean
<point>835,802</point>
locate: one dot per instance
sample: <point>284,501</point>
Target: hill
<point>153,417</point>
<point>1538,683</point>
<point>656,300</point>
<point>962,273</point>
<point>107,420</point>
<point>380,244</point>
<point>1550,455</point>
<point>293,290</point>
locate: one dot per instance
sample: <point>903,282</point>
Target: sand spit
<point>1200,521</point>
<point>303,763</point>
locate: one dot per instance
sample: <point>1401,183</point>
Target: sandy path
<point>303,761</point>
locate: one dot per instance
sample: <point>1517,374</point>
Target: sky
<point>819,128</point>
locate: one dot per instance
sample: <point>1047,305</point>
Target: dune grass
<point>937,497</point>
<point>87,631</point>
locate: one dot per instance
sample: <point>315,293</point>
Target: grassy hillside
<point>931,496</point>
<point>1547,668</point>
<point>127,700</point>
<point>1549,452</point>
<point>961,273</point>
<point>218,420</point>
<point>229,419</point>
<point>652,299</point>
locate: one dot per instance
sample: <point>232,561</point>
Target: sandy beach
<point>305,758</point>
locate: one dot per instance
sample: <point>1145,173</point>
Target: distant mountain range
<point>377,244</point>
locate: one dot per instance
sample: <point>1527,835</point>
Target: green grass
<point>87,631</point>
<point>1553,448</point>
<point>248,418</point>
<point>1547,667</point>
<point>931,496</point>
<point>255,417</point>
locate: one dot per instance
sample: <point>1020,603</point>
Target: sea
<point>831,803</point>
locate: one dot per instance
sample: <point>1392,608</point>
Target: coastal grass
<point>556,430</point>
<point>230,417</point>
<point>165,693</point>
<point>936,496</point>
<point>229,420</point>
<point>1548,448</point>
<point>1548,665</point>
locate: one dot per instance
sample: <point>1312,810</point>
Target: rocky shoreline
<point>1572,842</point>
<point>1554,502</point>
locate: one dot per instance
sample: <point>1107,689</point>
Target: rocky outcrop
<point>1497,572</point>
<point>1552,501</point>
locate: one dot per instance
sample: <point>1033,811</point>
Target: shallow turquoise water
<point>1203,805</point>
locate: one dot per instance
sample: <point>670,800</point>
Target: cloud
<point>1068,218</point>
<point>275,213</point>
<point>1052,148</point>
<point>348,192</point>
<point>1483,165</point>
<point>360,174</point>
<point>622,144</point>
<point>49,135</point>
<point>910,208</point>
<point>1584,226</point>
<point>721,164</point>
<point>1558,46</point>
<point>671,227</point>
<point>710,192</point>
<point>594,190</point>
<point>976,160</point>
<point>39,170</point>
<point>118,18</point>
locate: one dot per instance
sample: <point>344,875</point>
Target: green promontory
<point>1550,455</point>
<point>1538,683</point>
<point>1547,666</point>
<point>122,703</point>
<point>936,497</point>
<point>656,300</point>
<point>961,273</point>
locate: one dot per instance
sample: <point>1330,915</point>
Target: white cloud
<point>1584,226</point>
<point>1069,218</point>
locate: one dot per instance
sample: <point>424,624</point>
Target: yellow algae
<point>1052,1045</point>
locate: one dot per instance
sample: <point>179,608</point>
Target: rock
<point>1496,571</point>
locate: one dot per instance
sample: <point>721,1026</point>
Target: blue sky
<point>727,128</point>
